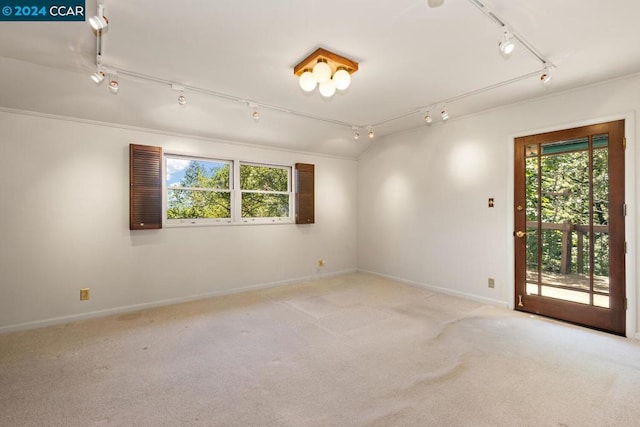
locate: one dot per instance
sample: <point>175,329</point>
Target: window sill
<point>226,222</point>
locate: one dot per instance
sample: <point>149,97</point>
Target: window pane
<point>264,178</point>
<point>198,204</point>
<point>262,205</point>
<point>189,173</point>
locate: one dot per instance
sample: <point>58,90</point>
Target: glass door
<point>569,218</point>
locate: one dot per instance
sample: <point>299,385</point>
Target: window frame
<point>234,190</point>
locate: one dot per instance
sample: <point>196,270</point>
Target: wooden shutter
<point>145,187</point>
<point>305,189</point>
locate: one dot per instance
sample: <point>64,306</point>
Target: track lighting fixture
<point>427,118</point>
<point>182,100</point>
<point>445,115</point>
<point>435,3</point>
<point>114,86</point>
<point>356,132</point>
<point>506,44</point>
<point>371,134</point>
<point>546,76</point>
<point>97,77</point>
<point>255,114</point>
<point>326,70</point>
<point>99,21</point>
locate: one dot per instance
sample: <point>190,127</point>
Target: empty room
<point>336,213</point>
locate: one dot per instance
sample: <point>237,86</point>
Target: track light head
<point>506,44</point>
<point>545,76</point>
<point>182,100</point>
<point>114,86</point>
<point>445,115</point>
<point>371,134</point>
<point>356,132</point>
<point>99,22</point>
<point>255,115</point>
<point>97,77</point>
<point>427,118</point>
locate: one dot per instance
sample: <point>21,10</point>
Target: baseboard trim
<point>161,303</point>
<point>484,300</point>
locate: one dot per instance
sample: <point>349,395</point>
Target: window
<point>198,189</point>
<point>265,191</point>
<point>210,191</point>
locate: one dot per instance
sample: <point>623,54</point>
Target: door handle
<point>520,234</point>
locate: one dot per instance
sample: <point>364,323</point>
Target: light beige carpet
<point>353,350</point>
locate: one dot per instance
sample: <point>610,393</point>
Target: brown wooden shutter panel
<point>305,190</point>
<point>145,192</point>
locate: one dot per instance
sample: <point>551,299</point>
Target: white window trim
<point>236,195</point>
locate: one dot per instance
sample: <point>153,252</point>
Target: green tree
<point>203,192</point>
<point>263,178</point>
<point>564,188</point>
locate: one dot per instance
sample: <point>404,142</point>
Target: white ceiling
<point>411,57</point>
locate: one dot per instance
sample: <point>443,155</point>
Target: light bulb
<point>546,76</point>
<point>322,71</point>
<point>445,115</point>
<point>427,118</point>
<point>255,115</point>
<point>356,135</point>
<point>98,22</point>
<point>327,89</point>
<point>371,134</point>
<point>342,79</point>
<point>506,44</point>
<point>182,100</point>
<point>114,86</point>
<point>97,77</point>
<point>307,81</point>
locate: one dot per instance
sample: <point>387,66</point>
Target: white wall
<point>423,214</point>
<point>64,189</point>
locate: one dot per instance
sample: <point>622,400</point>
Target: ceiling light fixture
<point>182,100</point>
<point>371,134</point>
<point>114,86</point>
<point>435,3</point>
<point>327,70</point>
<point>255,114</point>
<point>356,132</point>
<point>445,115</point>
<point>506,44</point>
<point>97,77</point>
<point>427,118</point>
<point>546,76</point>
<point>99,22</point>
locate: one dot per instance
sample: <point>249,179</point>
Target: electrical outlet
<point>84,294</point>
<point>492,282</point>
<point>320,262</point>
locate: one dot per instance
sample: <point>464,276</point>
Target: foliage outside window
<point>198,189</point>
<point>203,191</point>
<point>564,199</point>
<point>265,191</point>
